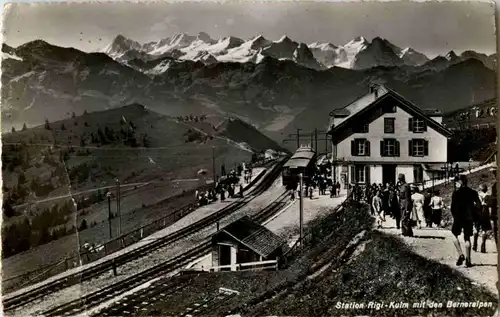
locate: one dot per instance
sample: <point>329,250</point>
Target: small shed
<point>245,241</point>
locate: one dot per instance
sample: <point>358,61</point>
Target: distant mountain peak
<point>358,39</point>
<point>284,39</point>
<point>323,46</point>
<point>451,55</point>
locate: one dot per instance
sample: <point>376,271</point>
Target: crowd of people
<point>225,186</point>
<point>426,207</point>
<point>322,182</point>
<point>474,212</point>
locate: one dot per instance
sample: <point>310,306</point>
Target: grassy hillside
<point>472,143</point>
<point>87,153</point>
<point>378,268</point>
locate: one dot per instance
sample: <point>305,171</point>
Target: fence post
<point>65,264</point>
<point>115,273</point>
<point>142,232</point>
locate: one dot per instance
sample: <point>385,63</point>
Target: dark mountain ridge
<point>52,81</point>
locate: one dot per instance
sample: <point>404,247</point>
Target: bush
<point>83,225</point>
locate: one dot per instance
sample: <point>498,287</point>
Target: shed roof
<point>256,237</point>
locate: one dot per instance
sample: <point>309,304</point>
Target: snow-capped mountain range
<point>356,54</point>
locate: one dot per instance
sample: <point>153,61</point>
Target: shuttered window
<point>418,147</point>
<point>360,174</point>
<point>389,148</point>
<point>417,125</point>
<point>360,147</point>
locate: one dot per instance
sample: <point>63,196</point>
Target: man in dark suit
<point>465,204</point>
<point>405,205</point>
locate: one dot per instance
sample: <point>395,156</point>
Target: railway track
<point>135,303</point>
<point>76,278</point>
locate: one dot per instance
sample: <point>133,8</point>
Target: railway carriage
<point>302,161</point>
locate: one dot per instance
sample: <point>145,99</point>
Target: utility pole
<point>311,135</point>
<point>316,140</point>
<point>109,215</point>
<point>298,138</point>
<point>326,143</point>
<point>301,207</point>
<point>118,207</point>
<point>213,163</point>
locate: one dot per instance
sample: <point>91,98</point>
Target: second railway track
<point>86,274</point>
<point>101,296</point>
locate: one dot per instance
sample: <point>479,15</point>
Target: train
<point>302,161</point>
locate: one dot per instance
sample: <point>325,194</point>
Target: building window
<point>418,147</point>
<point>389,147</point>
<point>359,174</point>
<point>389,125</point>
<point>417,125</point>
<point>360,147</point>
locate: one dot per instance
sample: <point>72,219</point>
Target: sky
<point>430,27</point>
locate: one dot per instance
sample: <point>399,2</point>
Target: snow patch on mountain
<point>11,56</point>
<point>412,57</point>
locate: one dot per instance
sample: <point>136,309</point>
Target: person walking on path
<point>385,202</point>
<point>483,222</point>
<point>427,208</point>
<point>437,206</point>
<point>493,208</point>
<point>378,208</point>
<point>464,205</point>
<point>405,205</point>
<point>418,206</point>
<point>393,206</point>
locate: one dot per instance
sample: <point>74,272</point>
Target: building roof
<point>484,104</point>
<point>360,103</point>
<point>372,99</point>
<point>301,158</point>
<point>432,112</point>
<point>254,236</point>
<point>297,162</point>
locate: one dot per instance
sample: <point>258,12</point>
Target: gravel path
<point>286,224</point>
<point>437,244</point>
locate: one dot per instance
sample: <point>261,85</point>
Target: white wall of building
<point>376,174</point>
<point>407,171</point>
<point>437,142</point>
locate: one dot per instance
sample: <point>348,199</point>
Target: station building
<point>381,135</point>
<point>244,241</point>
